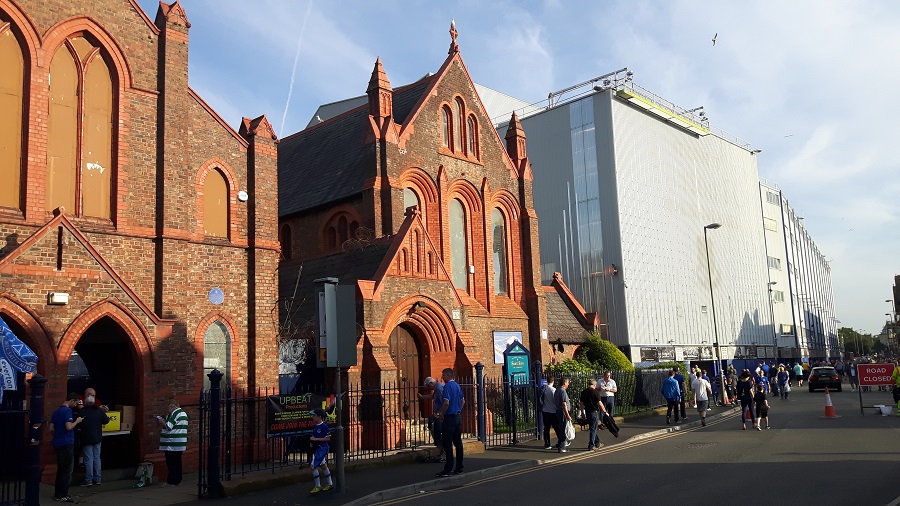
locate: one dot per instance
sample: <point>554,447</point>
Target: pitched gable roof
<point>62,220</point>
<point>567,321</point>
<point>329,161</point>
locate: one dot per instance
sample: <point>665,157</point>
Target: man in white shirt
<point>702,390</point>
<point>607,388</point>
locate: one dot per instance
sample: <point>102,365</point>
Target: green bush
<point>599,355</point>
<point>567,367</point>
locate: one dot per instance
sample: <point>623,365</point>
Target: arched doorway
<point>13,421</point>
<point>405,351</point>
<point>104,359</point>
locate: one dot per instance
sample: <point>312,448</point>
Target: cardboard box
<point>115,421</point>
<point>128,413</point>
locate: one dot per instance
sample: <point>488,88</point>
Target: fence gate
<point>510,412</point>
<point>13,434</point>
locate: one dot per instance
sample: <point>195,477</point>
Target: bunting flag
<point>15,357</point>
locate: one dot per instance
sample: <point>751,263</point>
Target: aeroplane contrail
<point>294,70</point>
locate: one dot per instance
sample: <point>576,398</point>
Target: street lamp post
<point>712,300</point>
<point>774,326</point>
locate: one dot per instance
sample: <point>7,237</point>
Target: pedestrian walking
<point>745,395</point>
<point>563,414</point>
<point>702,392</point>
<point>762,409</point>
<point>451,409</point>
<point>548,411</point>
<point>854,380</point>
<point>784,382</point>
<point>798,373</point>
<point>95,418</point>
<point>63,425</point>
<point>895,388</point>
<point>762,382</point>
<point>435,393</point>
<point>593,407</point>
<point>173,436</point>
<point>321,436</point>
<point>682,401</point>
<point>672,393</point>
<point>608,388</point>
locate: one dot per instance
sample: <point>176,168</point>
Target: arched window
<point>80,130</point>
<point>445,126</point>
<point>342,229</point>
<point>498,234</point>
<point>354,226</point>
<point>215,205</point>
<point>331,237</point>
<point>286,241</point>
<point>410,198</point>
<point>12,80</point>
<point>459,259</point>
<point>472,136</point>
<point>217,353</point>
<point>457,126</point>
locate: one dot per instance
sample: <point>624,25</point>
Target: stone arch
<point>38,336</point>
<point>432,323</point>
<point>508,205</point>
<point>27,30</point>
<point>237,367</point>
<point>139,336</point>
<point>57,34</point>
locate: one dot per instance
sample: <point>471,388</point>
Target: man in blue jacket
<point>679,378</point>
<point>672,392</point>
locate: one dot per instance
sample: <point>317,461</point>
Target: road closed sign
<point>875,374</point>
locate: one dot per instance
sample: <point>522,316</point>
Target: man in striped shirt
<point>173,440</point>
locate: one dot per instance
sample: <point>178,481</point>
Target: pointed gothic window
<point>286,241</point>
<point>459,260</point>
<point>498,234</point>
<point>445,126</point>
<point>217,353</point>
<point>11,95</point>
<point>457,127</point>
<point>215,205</point>
<point>472,137</point>
<point>80,130</point>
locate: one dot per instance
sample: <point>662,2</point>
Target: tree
<point>859,344</point>
<point>600,355</point>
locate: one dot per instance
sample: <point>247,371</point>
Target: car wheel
<point>839,388</point>
<point>811,389</point>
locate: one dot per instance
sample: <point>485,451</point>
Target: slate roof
<point>329,162</point>
<point>562,324</point>
<point>348,267</point>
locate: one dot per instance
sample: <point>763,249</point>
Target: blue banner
<point>15,357</point>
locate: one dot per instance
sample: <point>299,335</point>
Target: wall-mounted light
<point>242,196</point>
<point>57,298</point>
<point>471,269</point>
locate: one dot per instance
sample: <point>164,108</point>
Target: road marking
<point>561,461</point>
<point>895,502</point>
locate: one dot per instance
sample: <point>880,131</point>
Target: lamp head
<point>712,226</point>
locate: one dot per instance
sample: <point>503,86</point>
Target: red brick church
<point>139,230</point>
<point>411,195</point>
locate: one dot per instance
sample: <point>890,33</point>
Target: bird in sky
<point>714,38</point>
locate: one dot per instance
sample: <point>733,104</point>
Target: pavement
<point>374,480</point>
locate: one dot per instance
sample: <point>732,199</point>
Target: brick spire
<point>515,140</point>
<point>454,47</point>
<point>380,93</point>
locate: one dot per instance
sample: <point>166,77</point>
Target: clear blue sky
<point>811,83</point>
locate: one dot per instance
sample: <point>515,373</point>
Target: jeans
<point>561,429</point>
<point>173,465</point>
<point>65,462</point>
<point>452,438</point>
<point>610,404</point>
<point>549,422</point>
<point>747,406</point>
<point>91,463</point>
<point>594,420</point>
<point>672,405</point>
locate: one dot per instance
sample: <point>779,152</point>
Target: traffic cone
<point>829,407</point>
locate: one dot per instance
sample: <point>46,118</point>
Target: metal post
<point>213,480</point>
<point>538,397</point>
<point>338,431</point>
<point>35,422</point>
<point>479,389</point>
<point>712,301</point>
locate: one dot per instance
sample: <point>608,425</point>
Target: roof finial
<point>454,47</point>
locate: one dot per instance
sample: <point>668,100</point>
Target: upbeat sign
<point>875,374</point>
<point>289,415</point>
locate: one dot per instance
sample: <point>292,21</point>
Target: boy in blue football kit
<point>320,438</point>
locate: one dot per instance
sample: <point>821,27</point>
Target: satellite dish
<point>216,296</point>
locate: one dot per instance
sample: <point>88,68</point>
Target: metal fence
<point>379,420</point>
<point>13,436</point>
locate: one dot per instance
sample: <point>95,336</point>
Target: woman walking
<point>784,382</point>
<point>745,395</point>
